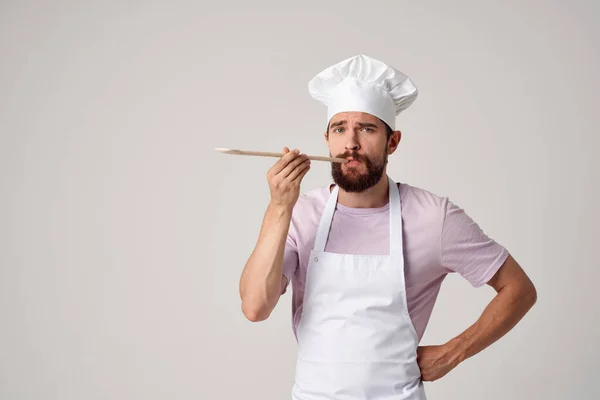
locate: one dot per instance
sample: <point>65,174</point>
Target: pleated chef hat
<point>361,83</point>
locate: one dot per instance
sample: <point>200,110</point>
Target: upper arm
<point>284,284</point>
<point>466,249</point>
<point>511,274</point>
<point>290,262</point>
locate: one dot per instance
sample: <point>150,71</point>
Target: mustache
<point>352,154</point>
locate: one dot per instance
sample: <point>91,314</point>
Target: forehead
<point>355,117</point>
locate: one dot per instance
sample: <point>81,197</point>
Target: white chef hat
<point>361,83</point>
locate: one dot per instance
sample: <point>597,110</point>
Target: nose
<point>352,141</point>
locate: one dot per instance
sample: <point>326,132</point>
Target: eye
<point>367,129</point>
<point>338,130</point>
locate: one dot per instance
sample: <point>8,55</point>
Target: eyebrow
<point>367,125</point>
<point>336,124</point>
<point>361,124</point>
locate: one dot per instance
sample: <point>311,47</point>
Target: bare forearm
<point>516,294</point>
<point>261,279</point>
<point>504,311</point>
<point>260,283</point>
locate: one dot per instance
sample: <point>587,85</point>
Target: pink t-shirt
<point>439,238</point>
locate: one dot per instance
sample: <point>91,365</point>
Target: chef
<point>366,255</point>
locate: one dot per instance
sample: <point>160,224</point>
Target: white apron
<point>356,340</point>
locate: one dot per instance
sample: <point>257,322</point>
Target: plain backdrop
<point>123,233</point>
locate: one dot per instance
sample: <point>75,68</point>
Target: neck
<point>374,197</point>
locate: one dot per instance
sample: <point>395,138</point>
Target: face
<point>362,139</point>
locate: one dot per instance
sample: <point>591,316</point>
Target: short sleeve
<point>290,261</point>
<point>466,249</point>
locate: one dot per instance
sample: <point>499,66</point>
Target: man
<point>367,256</point>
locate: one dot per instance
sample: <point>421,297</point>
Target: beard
<point>352,179</point>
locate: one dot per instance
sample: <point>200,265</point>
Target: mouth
<point>352,162</point>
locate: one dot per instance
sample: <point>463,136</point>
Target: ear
<point>326,137</point>
<point>394,141</point>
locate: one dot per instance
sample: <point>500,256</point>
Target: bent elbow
<point>254,313</point>
<point>529,294</point>
<point>533,296</point>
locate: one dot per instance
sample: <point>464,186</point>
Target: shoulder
<point>308,209</point>
<point>422,200</point>
<point>312,200</point>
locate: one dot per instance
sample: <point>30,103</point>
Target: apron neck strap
<point>395,210</point>
<point>396,239</point>
<point>325,223</point>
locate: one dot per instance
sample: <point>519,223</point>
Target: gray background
<point>123,233</point>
